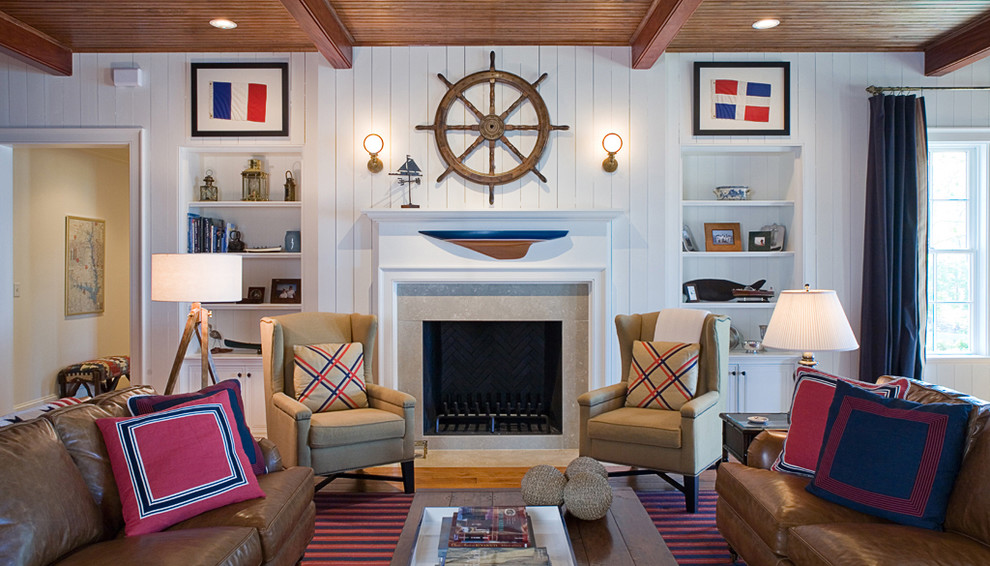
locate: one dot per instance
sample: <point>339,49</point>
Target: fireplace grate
<point>493,414</point>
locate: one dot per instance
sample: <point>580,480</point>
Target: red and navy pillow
<point>891,458</point>
<point>175,464</point>
<point>813,393</point>
<point>145,404</point>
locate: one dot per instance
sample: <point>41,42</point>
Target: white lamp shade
<point>195,278</point>
<point>809,321</point>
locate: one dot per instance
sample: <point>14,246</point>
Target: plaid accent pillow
<point>328,376</point>
<point>663,375</point>
<point>175,464</point>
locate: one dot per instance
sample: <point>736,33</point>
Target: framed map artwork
<point>85,265</point>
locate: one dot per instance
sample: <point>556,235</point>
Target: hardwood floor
<point>487,477</point>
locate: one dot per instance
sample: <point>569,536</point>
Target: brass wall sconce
<point>373,144</point>
<point>612,144</point>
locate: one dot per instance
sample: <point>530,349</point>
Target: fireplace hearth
<point>492,377</point>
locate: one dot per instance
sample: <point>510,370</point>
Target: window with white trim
<point>957,246</point>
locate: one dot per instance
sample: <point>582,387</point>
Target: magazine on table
<point>490,536</point>
<point>493,556</point>
<point>490,526</point>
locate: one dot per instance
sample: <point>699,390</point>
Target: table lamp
<point>195,279</point>
<point>809,320</point>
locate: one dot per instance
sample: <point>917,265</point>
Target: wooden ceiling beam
<point>318,20</point>
<point>33,47</point>
<point>658,29</point>
<point>954,51</point>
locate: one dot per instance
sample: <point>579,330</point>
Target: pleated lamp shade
<point>196,278</point>
<point>809,320</point>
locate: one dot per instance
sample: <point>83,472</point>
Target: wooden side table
<point>738,431</point>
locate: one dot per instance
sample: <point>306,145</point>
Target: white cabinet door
<point>248,371</point>
<point>760,385</point>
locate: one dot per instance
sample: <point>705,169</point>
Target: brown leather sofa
<point>768,518</point>
<point>59,503</point>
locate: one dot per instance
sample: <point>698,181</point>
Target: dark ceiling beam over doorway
<point>320,23</point>
<point>33,47</point>
<point>959,48</point>
<point>658,29</point>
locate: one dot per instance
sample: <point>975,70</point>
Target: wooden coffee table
<point>624,537</point>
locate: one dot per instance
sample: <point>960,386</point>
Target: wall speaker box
<point>125,76</point>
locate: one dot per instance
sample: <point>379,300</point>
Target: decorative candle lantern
<point>208,191</point>
<point>254,182</point>
<point>290,187</point>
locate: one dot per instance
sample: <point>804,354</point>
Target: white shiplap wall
<point>593,90</point>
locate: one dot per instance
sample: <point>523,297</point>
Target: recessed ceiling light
<point>766,23</point>
<point>227,24</point>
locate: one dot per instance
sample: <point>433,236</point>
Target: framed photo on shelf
<point>240,99</point>
<point>687,240</point>
<point>722,237</point>
<point>691,292</point>
<point>255,295</point>
<point>742,98</point>
<point>286,291</point>
<point>760,241</point>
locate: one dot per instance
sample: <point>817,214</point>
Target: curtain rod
<point>883,89</point>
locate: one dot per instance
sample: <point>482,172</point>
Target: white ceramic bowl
<point>731,192</point>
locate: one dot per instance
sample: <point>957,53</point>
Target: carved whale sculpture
<point>718,289</point>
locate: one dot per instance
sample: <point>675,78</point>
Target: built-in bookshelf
<point>262,226</point>
<point>774,175</point>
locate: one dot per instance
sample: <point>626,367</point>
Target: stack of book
<point>208,235</point>
<point>490,536</point>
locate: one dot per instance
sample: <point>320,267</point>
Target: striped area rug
<point>357,528</point>
<point>692,537</point>
<point>362,528</point>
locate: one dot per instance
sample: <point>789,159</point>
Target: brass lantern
<point>208,191</point>
<point>254,182</point>
<point>290,187</point>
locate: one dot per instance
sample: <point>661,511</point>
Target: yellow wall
<point>51,183</point>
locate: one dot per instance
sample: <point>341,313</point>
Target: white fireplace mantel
<point>403,255</point>
<point>489,214</point>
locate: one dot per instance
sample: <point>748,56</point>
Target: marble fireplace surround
<point>419,278</point>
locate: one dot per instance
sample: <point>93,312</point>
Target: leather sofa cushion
<point>287,495</point>
<point>969,505</point>
<point>45,508</point>
<point>841,544</point>
<point>76,426</point>
<point>772,502</point>
<point>115,402</point>
<point>650,427</point>
<point>354,426</point>
<point>220,546</point>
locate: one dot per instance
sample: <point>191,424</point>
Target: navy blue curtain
<point>892,339</point>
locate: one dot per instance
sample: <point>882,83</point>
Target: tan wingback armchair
<point>685,442</point>
<point>336,442</point>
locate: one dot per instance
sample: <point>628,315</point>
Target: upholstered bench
<point>102,373</point>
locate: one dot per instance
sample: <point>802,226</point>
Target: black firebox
<point>492,377</point>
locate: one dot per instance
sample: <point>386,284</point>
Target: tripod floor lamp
<point>195,279</point>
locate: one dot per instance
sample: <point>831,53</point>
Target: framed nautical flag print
<point>742,98</point>
<point>240,99</point>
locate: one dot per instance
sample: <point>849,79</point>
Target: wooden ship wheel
<point>491,128</point>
